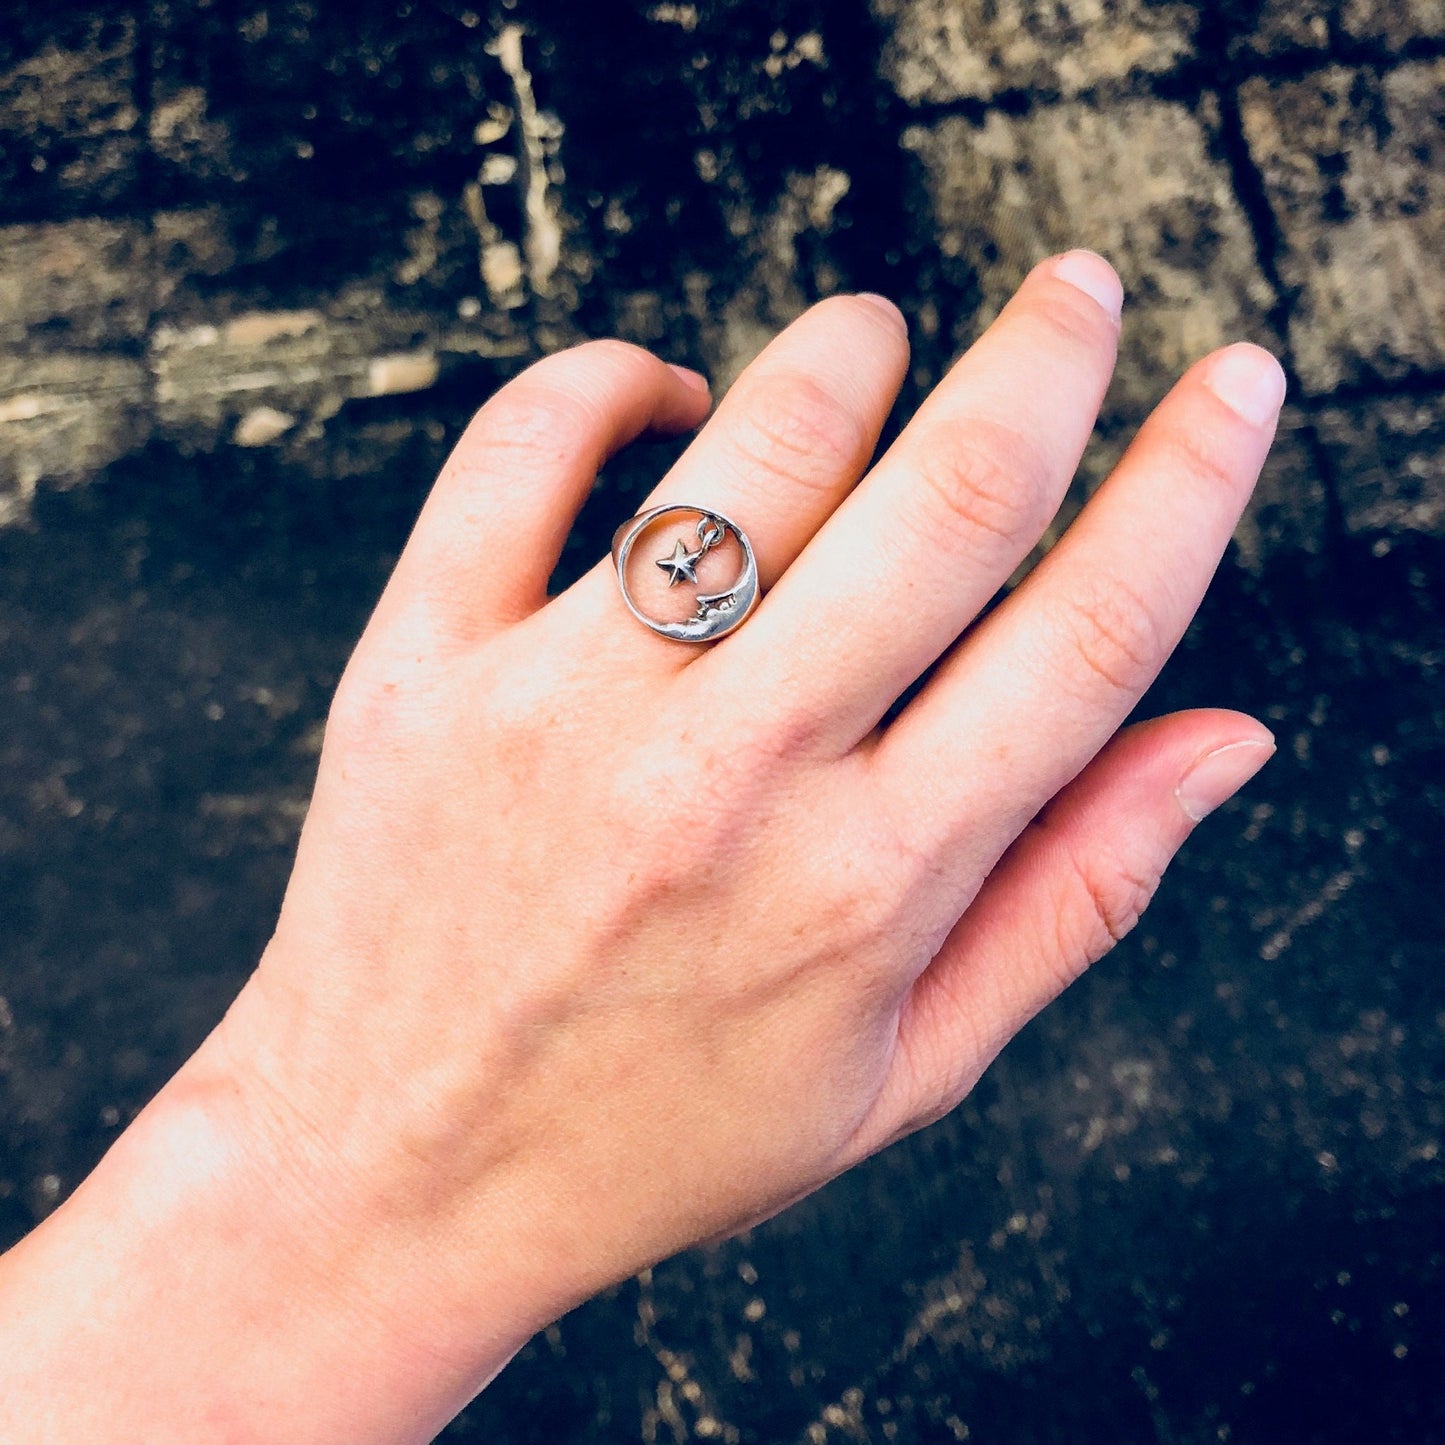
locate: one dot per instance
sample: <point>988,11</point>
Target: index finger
<point>1051,674</point>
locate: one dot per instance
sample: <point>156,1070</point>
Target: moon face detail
<point>718,613</point>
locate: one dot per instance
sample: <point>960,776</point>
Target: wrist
<point>389,1324</point>
<point>224,1290</point>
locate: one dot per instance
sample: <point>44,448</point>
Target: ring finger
<point>787,443</point>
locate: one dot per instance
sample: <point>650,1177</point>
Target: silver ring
<point>718,613</point>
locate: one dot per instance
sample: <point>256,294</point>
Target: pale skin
<point>598,945</point>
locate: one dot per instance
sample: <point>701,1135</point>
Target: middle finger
<point>914,554</point>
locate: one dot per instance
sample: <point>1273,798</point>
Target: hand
<point>598,945</point>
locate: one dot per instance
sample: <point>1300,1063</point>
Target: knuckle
<point>620,362</point>
<point>531,421</point>
<point>564,369</point>
<point>555,406</point>
<point>1073,322</point>
<point>1113,634</point>
<point>769,742</point>
<point>800,430</point>
<point>1111,898</point>
<point>900,870</point>
<point>1200,452</point>
<point>984,486</point>
<point>854,312</point>
<point>612,351</point>
<point>369,715</point>
<point>675,816</point>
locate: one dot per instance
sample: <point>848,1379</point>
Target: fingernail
<point>1095,277</point>
<point>883,304</point>
<point>1249,381</point>
<point>1219,775</point>
<point>695,379</point>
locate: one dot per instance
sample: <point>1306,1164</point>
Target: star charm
<point>682,564</point>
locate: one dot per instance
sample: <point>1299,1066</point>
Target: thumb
<point>1073,884</point>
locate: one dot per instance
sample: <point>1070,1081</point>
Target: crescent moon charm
<point>718,613</point>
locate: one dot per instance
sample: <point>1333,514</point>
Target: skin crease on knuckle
<point>598,367</point>
<point>1075,324</point>
<point>550,416</point>
<point>919,879</point>
<point>800,429</point>
<point>979,486</point>
<point>1115,639</point>
<point>1111,894</point>
<point>539,425</point>
<point>1203,447</point>
<point>381,713</point>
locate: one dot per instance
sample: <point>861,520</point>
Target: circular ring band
<point>718,613</point>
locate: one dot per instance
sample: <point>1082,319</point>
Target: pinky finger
<point>493,527</point>
<point>1074,883</point>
